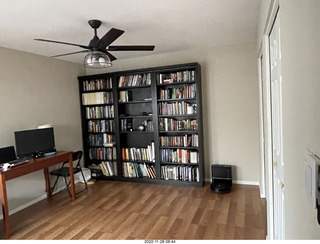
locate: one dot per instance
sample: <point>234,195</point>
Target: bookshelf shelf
<point>182,116</point>
<point>177,163</point>
<point>136,116</point>
<point>100,104</point>
<point>146,112</point>
<point>179,131</point>
<point>174,84</point>
<point>93,119</point>
<point>131,102</point>
<point>133,87</point>
<point>182,147</point>
<point>99,90</point>
<point>136,132</point>
<point>176,100</point>
<point>138,161</point>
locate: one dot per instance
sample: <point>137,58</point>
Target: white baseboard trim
<point>262,193</point>
<point>244,182</point>
<point>239,182</point>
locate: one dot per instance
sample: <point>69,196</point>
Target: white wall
<point>36,90</point>
<point>230,103</point>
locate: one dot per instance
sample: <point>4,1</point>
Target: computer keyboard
<point>8,165</point>
<point>18,162</point>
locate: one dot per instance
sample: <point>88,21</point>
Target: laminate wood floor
<point>112,210</point>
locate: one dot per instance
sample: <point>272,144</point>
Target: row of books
<point>100,112</point>
<point>125,96</point>
<point>181,76</point>
<point>109,153</point>
<point>97,98</point>
<point>179,141</point>
<point>127,125</point>
<point>184,156</point>
<point>98,84</point>
<point>168,124</point>
<point>178,92</point>
<point>138,170</point>
<point>180,172</point>
<point>135,80</point>
<point>101,140</point>
<point>148,125</point>
<point>138,154</point>
<point>100,126</point>
<point>175,108</point>
<point>109,168</point>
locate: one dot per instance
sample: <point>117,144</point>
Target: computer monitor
<point>7,154</point>
<point>35,142</point>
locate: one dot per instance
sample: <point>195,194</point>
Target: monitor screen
<point>31,142</point>
<point>7,154</point>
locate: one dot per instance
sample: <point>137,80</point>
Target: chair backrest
<point>76,156</point>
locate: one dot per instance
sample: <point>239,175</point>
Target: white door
<point>276,124</point>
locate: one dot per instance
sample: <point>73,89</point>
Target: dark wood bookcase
<point>144,125</point>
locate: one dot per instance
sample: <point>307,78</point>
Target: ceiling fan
<point>102,44</point>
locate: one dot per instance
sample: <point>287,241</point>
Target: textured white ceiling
<point>170,25</point>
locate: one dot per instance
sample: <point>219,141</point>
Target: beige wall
<point>300,38</point>
<point>263,16</point>
<point>230,103</point>
<point>36,90</point>
<point>300,21</point>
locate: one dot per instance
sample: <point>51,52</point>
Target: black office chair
<point>64,172</point>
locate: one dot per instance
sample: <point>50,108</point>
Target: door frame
<point>262,129</point>
<point>265,104</point>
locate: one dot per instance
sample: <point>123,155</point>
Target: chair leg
<point>67,185</point>
<point>84,180</point>
<point>54,185</point>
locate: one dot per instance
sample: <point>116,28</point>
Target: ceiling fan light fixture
<point>97,59</point>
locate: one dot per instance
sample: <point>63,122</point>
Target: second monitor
<point>35,143</point>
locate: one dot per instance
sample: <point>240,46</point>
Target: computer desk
<point>27,168</point>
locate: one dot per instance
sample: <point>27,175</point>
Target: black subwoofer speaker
<point>221,178</point>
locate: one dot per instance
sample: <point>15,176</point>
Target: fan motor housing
<point>94,23</point>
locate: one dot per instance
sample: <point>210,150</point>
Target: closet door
<point>276,124</point>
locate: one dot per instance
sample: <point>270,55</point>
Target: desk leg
<point>72,186</point>
<point>47,178</point>
<point>4,203</point>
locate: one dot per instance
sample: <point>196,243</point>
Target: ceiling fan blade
<point>109,37</point>
<point>112,58</point>
<point>131,48</point>
<point>66,43</point>
<point>84,51</point>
